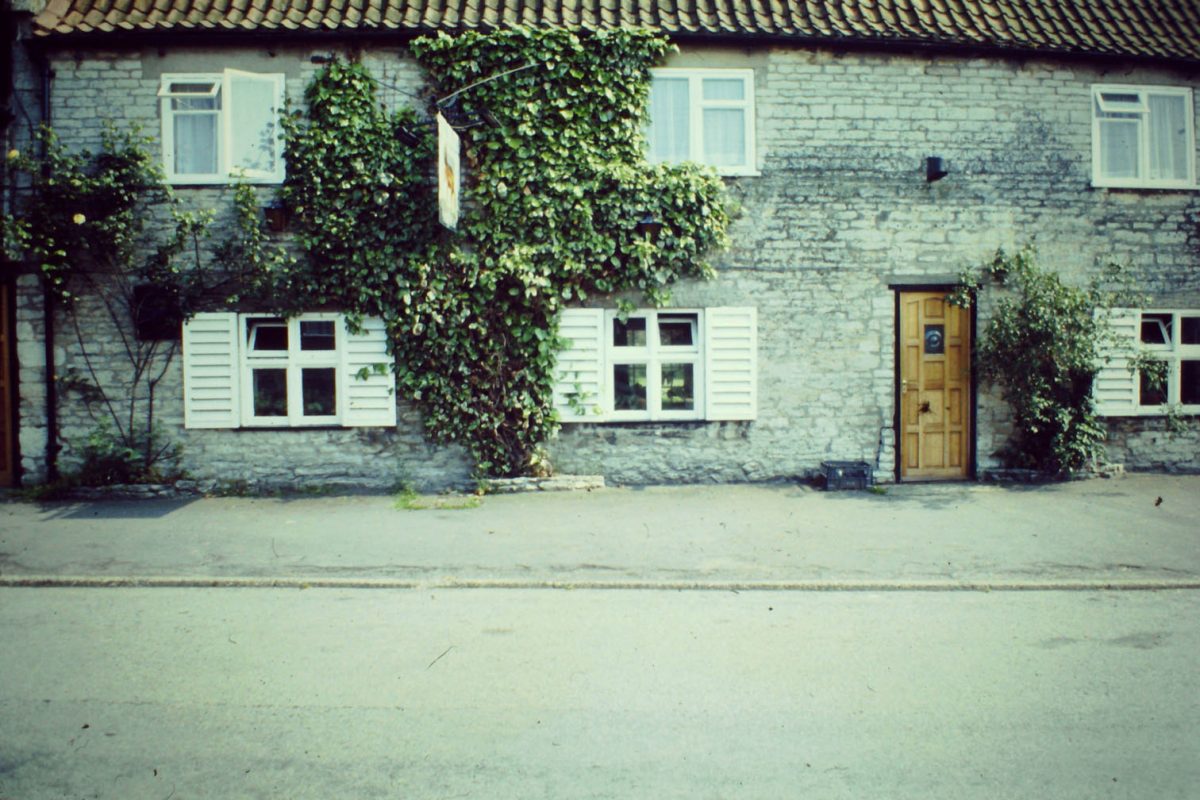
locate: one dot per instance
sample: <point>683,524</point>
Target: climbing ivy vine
<point>556,182</point>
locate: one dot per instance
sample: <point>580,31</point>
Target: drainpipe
<point>48,305</point>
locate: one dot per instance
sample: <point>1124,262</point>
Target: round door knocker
<point>935,342</point>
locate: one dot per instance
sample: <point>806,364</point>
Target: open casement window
<point>258,370</point>
<point>221,127</point>
<point>657,365</point>
<point>704,115</point>
<point>1170,336</point>
<point>1143,137</point>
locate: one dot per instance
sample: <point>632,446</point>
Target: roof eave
<point>208,36</point>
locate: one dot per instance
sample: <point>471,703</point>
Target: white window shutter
<point>370,401</point>
<point>1116,388</point>
<point>731,363</point>
<point>579,376</point>
<point>210,371</point>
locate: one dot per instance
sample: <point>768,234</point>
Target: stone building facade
<point>838,221</point>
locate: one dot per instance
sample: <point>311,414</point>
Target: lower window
<point>290,370</point>
<point>656,365</point>
<point>1173,338</point>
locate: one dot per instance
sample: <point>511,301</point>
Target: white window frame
<point>1175,352</point>
<point>697,105</point>
<point>227,128</point>
<point>294,361</point>
<point>653,356</point>
<point>1100,106</point>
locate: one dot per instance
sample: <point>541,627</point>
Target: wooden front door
<point>8,469</point>
<point>935,388</point>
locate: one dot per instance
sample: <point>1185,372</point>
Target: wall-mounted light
<point>936,168</point>
<point>276,216</point>
<point>407,137</point>
<point>649,226</point>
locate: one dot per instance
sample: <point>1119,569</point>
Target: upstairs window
<point>218,127</point>
<point>704,115</point>
<point>1143,137</point>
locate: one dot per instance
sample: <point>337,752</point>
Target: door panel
<point>935,388</point>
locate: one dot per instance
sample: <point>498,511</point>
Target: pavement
<point>1132,532</point>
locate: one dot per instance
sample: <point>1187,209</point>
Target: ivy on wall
<point>556,182</point>
<point>1043,346</point>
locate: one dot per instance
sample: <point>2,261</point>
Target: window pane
<point>270,392</point>
<point>1153,393</point>
<point>1189,382</point>
<point>724,137</point>
<point>317,335</point>
<point>1121,98</point>
<point>252,103</point>
<point>669,132</point>
<point>1156,329</point>
<point>205,88</point>
<point>195,103</point>
<point>319,387</point>
<point>1119,148</point>
<point>677,330</point>
<point>629,387</point>
<point>267,335</point>
<point>195,142</point>
<point>1189,330</point>
<point>1169,152</point>
<point>678,387</point>
<point>630,333</point>
<point>724,89</point>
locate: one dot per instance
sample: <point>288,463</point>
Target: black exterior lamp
<point>406,137</point>
<point>276,216</point>
<point>936,168</point>
<point>649,226</point>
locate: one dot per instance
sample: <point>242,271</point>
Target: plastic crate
<point>842,475</point>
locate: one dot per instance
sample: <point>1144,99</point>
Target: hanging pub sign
<point>448,177</point>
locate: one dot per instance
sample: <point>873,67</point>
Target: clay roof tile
<point>1141,28</point>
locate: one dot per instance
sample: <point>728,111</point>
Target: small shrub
<point>1042,347</point>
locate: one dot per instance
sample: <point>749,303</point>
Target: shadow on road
<point>114,509</point>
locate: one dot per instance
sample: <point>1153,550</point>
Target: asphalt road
<point>538,693</point>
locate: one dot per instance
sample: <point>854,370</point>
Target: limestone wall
<point>839,218</point>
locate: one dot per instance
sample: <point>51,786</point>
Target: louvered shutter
<point>1116,388</point>
<point>370,401</point>
<point>731,363</point>
<point>210,371</point>
<point>579,376</point>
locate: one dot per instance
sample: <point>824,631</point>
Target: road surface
<point>327,693</point>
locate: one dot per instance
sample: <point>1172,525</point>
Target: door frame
<point>897,407</point>
<point>9,403</point>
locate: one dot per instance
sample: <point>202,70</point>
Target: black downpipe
<point>48,306</point>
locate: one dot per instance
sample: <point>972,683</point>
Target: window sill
<point>1148,187</point>
<point>1156,412</point>
<point>193,182</point>
<point>326,427</point>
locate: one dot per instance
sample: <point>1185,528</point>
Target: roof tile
<point>1145,28</point>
